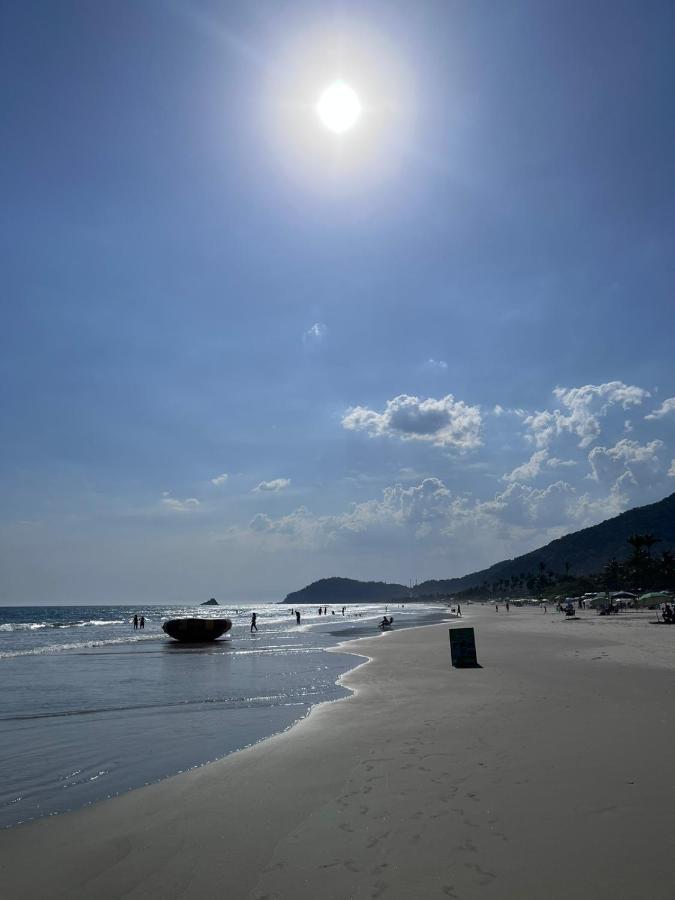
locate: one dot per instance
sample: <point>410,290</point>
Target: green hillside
<point>580,553</point>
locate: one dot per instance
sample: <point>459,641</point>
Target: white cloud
<point>436,365</point>
<point>629,473</point>
<point>172,503</point>
<point>277,484</point>
<point>499,410</point>
<point>610,463</point>
<point>671,470</point>
<point>220,479</point>
<point>445,422</point>
<point>530,469</point>
<point>426,513</point>
<point>416,510</point>
<point>544,427</point>
<point>298,523</point>
<point>536,464</point>
<point>444,525</point>
<point>582,409</point>
<point>315,334</point>
<point>590,510</point>
<point>666,407</point>
<point>523,505</point>
<point>555,463</point>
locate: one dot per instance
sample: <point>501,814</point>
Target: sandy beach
<point>545,773</point>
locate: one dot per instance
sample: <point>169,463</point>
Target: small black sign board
<point>463,648</point>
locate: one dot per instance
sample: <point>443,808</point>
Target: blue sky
<point>240,353</point>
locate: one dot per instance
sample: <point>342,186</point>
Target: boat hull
<point>196,631</point>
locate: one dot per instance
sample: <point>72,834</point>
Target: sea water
<point>90,707</point>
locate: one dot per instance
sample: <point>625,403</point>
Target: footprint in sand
<point>378,889</point>
<point>485,877</point>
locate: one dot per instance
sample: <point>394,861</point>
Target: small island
<point>211,602</point>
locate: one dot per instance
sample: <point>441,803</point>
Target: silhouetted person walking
<point>135,621</point>
<point>142,622</point>
<point>297,616</point>
<point>254,618</point>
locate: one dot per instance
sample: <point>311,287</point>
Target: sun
<point>339,107</point>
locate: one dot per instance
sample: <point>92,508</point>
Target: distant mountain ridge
<point>582,552</point>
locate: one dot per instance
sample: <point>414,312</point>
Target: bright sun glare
<point>339,107</point>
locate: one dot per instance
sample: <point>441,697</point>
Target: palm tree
<point>648,541</point>
<point>637,542</point>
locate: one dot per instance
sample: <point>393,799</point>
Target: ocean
<point>90,707</point>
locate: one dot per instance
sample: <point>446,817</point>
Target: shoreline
<point>514,780</point>
<point>102,753</point>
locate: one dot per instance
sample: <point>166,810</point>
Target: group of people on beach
<point>668,613</point>
<point>138,623</point>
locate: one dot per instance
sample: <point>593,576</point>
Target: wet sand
<point>545,773</point>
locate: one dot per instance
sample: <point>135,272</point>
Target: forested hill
<point>338,591</point>
<point>580,553</point>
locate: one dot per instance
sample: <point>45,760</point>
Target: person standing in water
<point>142,622</point>
<point>297,616</point>
<point>254,617</point>
<point>135,621</point>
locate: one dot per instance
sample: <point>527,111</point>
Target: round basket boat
<point>196,631</point>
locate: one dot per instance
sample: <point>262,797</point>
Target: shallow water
<point>90,708</point>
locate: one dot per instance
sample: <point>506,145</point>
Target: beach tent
<point>622,595</point>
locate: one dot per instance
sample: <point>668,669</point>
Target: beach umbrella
<point>653,597</point>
